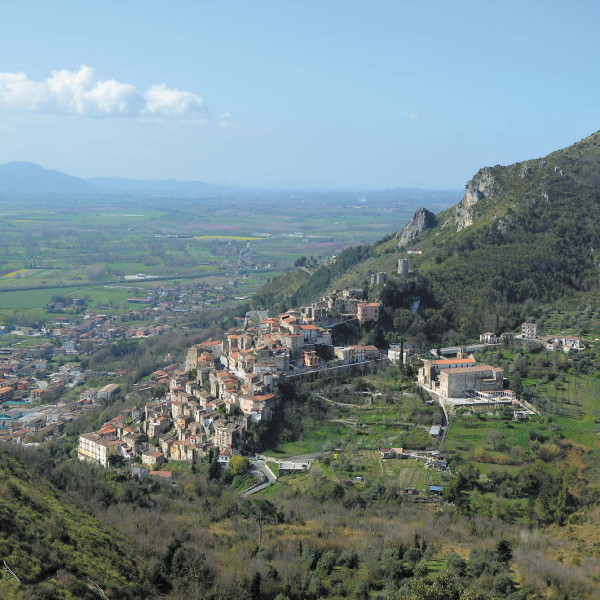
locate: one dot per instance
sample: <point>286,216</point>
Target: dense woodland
<point>198,540</point>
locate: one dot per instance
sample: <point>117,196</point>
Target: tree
<point>495,437</point>
<point>214,469</point>
<point>475,593</point>
<point>95,272</point>
<point>503,584</point>
<point>238,464</point>
<point>301,262</point>
<point>457,564</point>
<point>190,574</point>
<point>504,551</point>
<point>444,587</point>
<point>249,588</point>
<point>261,511</point>
<point>316,587</point>
<point>517,385</point>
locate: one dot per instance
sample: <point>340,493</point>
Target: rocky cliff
<point>422,220</point>
<point>482,186</point>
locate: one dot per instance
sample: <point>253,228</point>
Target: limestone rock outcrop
<point>422,220</point>
<point>482,186</point>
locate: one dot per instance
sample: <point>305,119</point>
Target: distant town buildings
<point>379,278</point>
<point>528,331</point>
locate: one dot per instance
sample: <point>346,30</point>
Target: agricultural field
<point>492,441</point>
<point>67,245</point>
<point>360,468</point>
<point>372,425</point>
<point>352,419</point>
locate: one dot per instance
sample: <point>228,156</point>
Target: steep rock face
<point>482,186</point>
<point>422,220</point>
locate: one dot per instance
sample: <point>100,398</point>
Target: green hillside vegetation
<point>56,549</point>
<point>318,538</point>
<point>533,242</point>
<point>380,410</point>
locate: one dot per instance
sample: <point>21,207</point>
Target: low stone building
<point>489,337</point>
<point>459,382</point>
<point>152,459</point>
<point>289,467</point>
<point>109,390</point>
<point>430,371</point>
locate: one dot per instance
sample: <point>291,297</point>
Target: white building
<point>489,338</point>
<point>529,331</point>
<point>95,448</point>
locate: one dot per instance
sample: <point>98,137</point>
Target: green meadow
<point>64,245</point>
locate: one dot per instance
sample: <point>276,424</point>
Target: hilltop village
<point>204,406</point>
<point>227,384</point>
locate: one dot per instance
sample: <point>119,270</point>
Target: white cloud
<point>225,121</point>
<point>84,94</point>
<point>414,116</point>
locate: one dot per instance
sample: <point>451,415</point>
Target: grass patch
<point>274,467</point>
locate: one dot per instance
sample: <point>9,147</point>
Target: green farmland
<point>63,246</point>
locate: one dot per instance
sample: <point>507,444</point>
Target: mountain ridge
<point>523,237</point>
<point>29,177</point>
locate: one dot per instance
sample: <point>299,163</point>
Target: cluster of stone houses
<point>566,343</point>
<point>529,333</point>
<point>224,386</point>
<point>347,303</point>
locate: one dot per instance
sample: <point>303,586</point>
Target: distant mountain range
<point>28,177</point>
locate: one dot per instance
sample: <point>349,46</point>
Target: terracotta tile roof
<point>477,369</point>
<point>454,361</point>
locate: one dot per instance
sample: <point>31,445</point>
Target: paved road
<point>258,469</point>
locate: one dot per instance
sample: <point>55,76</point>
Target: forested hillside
<point>524,237</point>
<point>57,550</point>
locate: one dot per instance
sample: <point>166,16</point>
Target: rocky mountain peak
<point>422,220</point>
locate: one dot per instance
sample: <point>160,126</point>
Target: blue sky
<point>336,93</point>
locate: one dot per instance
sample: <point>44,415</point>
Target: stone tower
<point>403,266</point>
